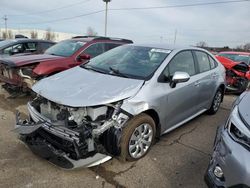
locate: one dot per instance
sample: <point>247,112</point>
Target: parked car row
<point>20,73</point>
<point>99,97</point>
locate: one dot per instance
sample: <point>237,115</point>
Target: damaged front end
<point>17,78</point>
<point>72,137</point>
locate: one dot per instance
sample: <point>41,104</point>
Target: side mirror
<point>84,57</point>
<point>179,77</point>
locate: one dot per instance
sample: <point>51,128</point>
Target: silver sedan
<point>119,102</point>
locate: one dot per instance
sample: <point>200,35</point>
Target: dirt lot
<point>179,159</point>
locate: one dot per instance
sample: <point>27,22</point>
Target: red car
<point>236,56</point>
<point>237,65</point>
<point>231,58</point>
<point>20,73</point>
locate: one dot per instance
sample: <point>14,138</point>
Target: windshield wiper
<point>117,72</point>
<point>88,67</point>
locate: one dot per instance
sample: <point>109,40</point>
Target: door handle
<point>197,84</point>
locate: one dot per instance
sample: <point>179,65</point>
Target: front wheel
<point>137,138</point>
<point>216,102</point>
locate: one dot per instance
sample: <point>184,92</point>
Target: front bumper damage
<point>232,158</point>
<point>27,80</point>
<point>13,75</point>
<point>46,139</point>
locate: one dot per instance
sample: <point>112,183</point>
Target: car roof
<point>167,46</point>
<point>92,38</point>
<point>234,52</point>
<point>28,40</point>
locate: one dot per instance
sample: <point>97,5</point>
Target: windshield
<point>6,42</point>
<point>237,57</point>
<point>65,48</point>
<point>129,61</point>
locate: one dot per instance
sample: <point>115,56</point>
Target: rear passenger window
<point>182,62</point>
<point>213,63</point>
<point>30,47</point>
<point>95,49</point>
<point>110,46</point>
<point>203,61</point>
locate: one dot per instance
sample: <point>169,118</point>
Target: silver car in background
<point>229,165</point>
<point>118,102</point>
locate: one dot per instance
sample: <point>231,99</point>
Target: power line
<point>183,5</point>
<point>138,8</point>
<point>51,10</point>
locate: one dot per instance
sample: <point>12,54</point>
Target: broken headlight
<point>237,129</point>
<point>27,71</point>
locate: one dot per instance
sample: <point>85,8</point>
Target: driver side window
<point>183,62</point>
<point>95,49</point>
<point>18,48</point>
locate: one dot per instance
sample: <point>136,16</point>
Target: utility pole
<point>5,23</point>
<point>175,36</point>
<point>106,15</point>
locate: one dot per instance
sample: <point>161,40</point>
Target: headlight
<point>237,129</point>
<point>27,72</point>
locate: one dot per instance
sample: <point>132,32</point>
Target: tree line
<point>48,35</point>
<point>242,47</point>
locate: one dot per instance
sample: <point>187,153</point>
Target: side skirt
<point>184,121</point>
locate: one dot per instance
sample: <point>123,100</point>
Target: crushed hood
<point>243,108</point>
<point>78,87</point>
<point>16,61</point>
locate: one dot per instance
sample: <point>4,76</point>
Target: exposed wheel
<point>216,102</point>
<point>137,137</point>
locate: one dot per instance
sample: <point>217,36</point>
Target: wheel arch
<point>154,115</point>
<point>223,88</point>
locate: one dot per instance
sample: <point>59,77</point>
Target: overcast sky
<point>218,25</point>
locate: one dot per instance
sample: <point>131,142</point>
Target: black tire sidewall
<point>127,132</point>
<point>212,110</point>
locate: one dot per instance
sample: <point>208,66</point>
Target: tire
<point>135,141</point>
<point>216,102</point>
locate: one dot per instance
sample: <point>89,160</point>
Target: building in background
<point>37,34</point>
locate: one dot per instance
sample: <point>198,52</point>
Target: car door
<point>207,78</point>
<point>182,100</point>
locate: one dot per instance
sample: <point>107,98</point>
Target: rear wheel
<point>216,102</point>
<point>137,138</point>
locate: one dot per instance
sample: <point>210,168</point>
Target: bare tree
<point>10,34</point>
<point>247,46</point>
<point>239,47</point>
<point>202,44</point>
<point>7,35</point>
<point>33,34</point>
<point>4,35</point>
<point>49,35</point>
<point>91,32</point>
